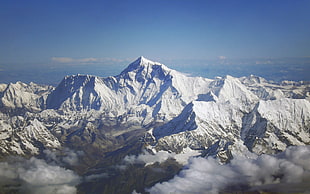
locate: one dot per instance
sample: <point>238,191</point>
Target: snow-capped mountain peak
<point>145,68</point>
<point>142,62</point>
<point>78,90</point>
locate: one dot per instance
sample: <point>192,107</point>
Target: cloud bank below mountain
<point>37,176</point>
<point>266,172</point>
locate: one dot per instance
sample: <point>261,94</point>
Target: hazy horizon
<point>295,69</point>
<point>42,41</point>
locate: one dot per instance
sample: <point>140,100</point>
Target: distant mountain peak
<point>143,63</point>
<point>144,60</point>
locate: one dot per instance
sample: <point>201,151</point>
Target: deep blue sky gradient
<point>43,33</point>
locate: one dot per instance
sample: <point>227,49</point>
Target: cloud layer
<point>147,158</point>
<point>206,175</point>
<point>86,60</point>
<point>65,157</point>
<point>37,176</point>
<point>161,156</point>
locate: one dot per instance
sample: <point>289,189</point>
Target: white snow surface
<point>21,95</point>
<point>269,127</point>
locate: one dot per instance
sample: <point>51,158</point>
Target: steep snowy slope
<point>226,100</point>
<point>199,126</point>
<point>236,112</point>
<point>2,87</point>
<point>230,90</point>
<point>21,136</point>
<point>269,90</point>
<point>275,124</point>
<point>77,92</point>
<point>24,96</point>
<point>269,128</point>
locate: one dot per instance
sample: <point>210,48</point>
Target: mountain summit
<point>143,68</point>
<point>142,62</point>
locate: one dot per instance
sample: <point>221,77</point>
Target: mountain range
<point>160,108</point>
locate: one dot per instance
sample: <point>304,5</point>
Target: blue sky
<point>57,32</point>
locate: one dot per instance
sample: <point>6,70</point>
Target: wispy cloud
<point>69,60</point>
<point>148,158</point>
<point>95,176</point>
<point>62,59</point>
<point>222,57</point>
<point>65,157</point>
<point>87,60</point>
<point>161,156</point>
<point>264,62</point>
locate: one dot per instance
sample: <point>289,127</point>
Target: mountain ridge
<point>192,112</point>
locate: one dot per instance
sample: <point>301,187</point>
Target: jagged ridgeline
<point>149,106</point>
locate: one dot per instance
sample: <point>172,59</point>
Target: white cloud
<point>161,156</point>
<point>71,157</point>
<point>264,62</point>
<point>70,60</point>
<point>222,57</point>
<point>73,60</point>
<point>87,60</point>
<point>36,176</point>
<point>147,158</point>
<point>65,157</point>
<point>95,176</point>
<point>135,192</point>
<point>63,59</point>
<point>203,175</point>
